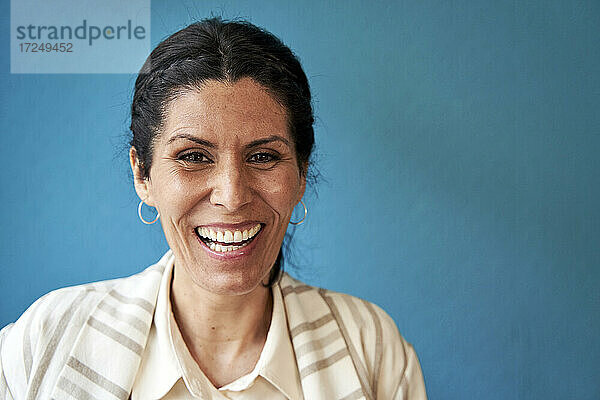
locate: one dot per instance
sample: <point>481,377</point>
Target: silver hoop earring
<point>303,218</point>
<point>142,218</point>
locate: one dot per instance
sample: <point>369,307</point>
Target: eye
<point>263,158</point>
<point>194,157</point>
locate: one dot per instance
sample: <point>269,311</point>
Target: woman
<point>222,137</point>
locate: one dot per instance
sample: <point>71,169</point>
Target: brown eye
<point>194,157</point>
<point>262,158</point>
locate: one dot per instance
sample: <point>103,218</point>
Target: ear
<point>302,188</point>
<point>142,185</point>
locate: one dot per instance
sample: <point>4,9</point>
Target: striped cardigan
<point>85,342</point>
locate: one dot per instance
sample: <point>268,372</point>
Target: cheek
<point>177,192</point>
<point>281,192</point>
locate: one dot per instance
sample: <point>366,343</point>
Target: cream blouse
<point>91,341</point>
<point>169,372</point>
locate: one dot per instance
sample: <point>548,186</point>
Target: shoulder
<point>359,317</point>
<point>64,305</point>
<point>47,331</point>
<point>388,359</point>
<point>51,310</point>
<point>55,318</point>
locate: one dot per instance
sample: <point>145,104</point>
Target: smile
<point>223,240</point>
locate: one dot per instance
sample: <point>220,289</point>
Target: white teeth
<point>226,236</point>
<point>224,249</point>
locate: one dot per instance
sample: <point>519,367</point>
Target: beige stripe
<point>116,335</point>
<point>138,301</point>
<point>298,289</point>
<point>319,365</point>
<point>129,319</point>
<point>378,345</point>
<point>3,384</point>
<point>403,385</point>
<point>27,352</point>
<point>354,310</point>
<point>360,368</point>
<point>98,379</point>
<point>405,359</point>
<point>74,390</point>
<point>57,335</point>
<point>308,326</point>
<point>402,388</point>
<point>357,394</point>
<point>317,344</point>
<point>27,356</point>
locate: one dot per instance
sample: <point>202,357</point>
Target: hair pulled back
<point>225,51</point>
<point>214,49</point>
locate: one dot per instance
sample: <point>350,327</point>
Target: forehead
<point>225,110</point>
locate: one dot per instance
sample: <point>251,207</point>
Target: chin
<point>232,283</point>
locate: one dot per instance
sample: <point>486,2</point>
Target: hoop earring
<point>142,218</point>
<point>303,218</point>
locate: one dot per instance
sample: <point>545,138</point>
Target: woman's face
<point>225,180</point>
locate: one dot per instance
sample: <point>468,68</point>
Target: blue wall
<point>459,147</point>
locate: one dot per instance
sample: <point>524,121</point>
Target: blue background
<point>459,147</point>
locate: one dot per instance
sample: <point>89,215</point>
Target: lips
<point>224,240</point>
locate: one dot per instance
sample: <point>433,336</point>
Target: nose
<point>230,186</point>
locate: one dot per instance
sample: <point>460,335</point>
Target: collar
<point>277,363</point>
<point>167,359</point>
<point>308,312</point>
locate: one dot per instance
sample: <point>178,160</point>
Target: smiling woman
<point>221,142</point>
<point>224,162</point>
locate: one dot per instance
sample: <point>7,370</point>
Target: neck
<point>215,324</point>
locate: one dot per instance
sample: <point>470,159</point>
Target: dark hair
<point>226,51</point>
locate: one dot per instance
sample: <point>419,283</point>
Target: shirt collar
<point>277,363</point>
<point>161,368</point>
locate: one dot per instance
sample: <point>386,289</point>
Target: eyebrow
<point>192,138</point>
<point>206,143</point>
<point>269,139</point>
